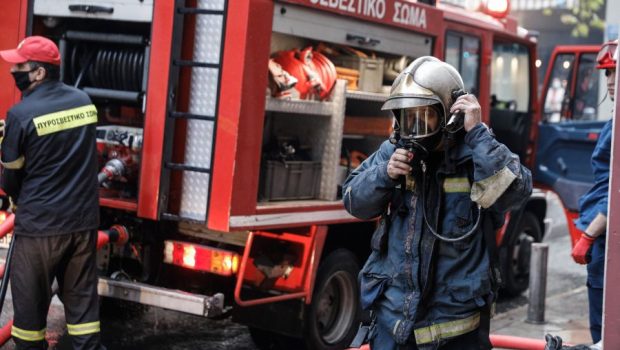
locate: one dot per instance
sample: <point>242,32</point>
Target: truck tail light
<point>201,258</point>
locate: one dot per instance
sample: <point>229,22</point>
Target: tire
<point>515,255</point>
<point>332,319</point>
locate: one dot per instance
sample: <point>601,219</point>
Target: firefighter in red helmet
<point>49,164</point>
<point>590,249</point>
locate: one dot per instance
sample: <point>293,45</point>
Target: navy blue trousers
<point>382,340</point>
<point>596,275</point>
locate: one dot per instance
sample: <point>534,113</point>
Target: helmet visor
<point>608,53</point>
<point>419,121</point>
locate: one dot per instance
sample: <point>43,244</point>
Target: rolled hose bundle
<point>315,73</point>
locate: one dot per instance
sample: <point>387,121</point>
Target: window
<point>463,53</point>
<point>586,91</point>
<point>510,77</point>
<point>558,92</point>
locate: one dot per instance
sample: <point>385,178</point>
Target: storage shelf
<point>366,96</point>
<point>301,107</point>
<point>298,205</point>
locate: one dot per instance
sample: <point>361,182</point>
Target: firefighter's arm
<point>596,228</point>
<point>12,158</point>
<point>499,177</point>
<point>368,189</point>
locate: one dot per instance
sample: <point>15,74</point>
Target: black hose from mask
<point>437,235</point>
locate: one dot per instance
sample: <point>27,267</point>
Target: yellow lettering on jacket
<point>64,120</point>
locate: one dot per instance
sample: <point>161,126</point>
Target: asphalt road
<point>139,327</point>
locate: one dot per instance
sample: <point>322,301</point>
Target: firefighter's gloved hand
<point>555,343</point>
<point>582,248</point>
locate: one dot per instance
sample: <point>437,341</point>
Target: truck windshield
<point>510,82</point>
<point>559,88</point>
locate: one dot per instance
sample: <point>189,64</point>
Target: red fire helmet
<point>607,55</point>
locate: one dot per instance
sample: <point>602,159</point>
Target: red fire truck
<point>575,106</point>
<point>218,227</point>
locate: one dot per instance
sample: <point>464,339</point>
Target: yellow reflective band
<point>28,335</point>
<point>14,165</point>
<point>439,331</point>
<point>64,120</point>
<point>456,184</point>
<point>83,328</point>
<point>486,192</point>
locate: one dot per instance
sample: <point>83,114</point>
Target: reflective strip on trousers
<point>28,335</point>
<point>83,328</point>
<point>438,331</point>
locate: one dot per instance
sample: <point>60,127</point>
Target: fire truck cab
<point>193,148</point>
<point>575,106</point>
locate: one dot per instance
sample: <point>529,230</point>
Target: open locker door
<point>573,116</point>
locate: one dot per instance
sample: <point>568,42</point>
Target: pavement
<point>566,304</point>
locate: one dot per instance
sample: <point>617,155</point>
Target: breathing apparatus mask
<point>420,100</point>
<point>418,129</point>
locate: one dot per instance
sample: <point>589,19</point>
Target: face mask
<point>22,79</point>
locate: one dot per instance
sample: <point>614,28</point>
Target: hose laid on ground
<point>504,342</point>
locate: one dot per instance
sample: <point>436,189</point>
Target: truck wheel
<point>332,318</point>
<point>515,255</point>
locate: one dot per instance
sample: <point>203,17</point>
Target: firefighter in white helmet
<point>441,185</point>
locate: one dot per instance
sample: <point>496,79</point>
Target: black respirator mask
<point>418,129</point>
<point>22,79</point>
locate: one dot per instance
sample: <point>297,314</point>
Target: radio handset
<point>457,120</point>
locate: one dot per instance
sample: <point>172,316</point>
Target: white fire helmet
<point>421,97</point>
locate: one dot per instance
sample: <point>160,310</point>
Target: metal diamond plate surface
<point>211,4</point>
<point>203,101</point>
<point>332,144</point>
<point>208,38</point>
<point>194,202</point>
<point>322,134</point>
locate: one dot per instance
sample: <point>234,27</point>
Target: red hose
<point>7,225</point>
<point>5,332</point>
<point>516,343</point>
<point>102,239</point>
<point>502,341</point>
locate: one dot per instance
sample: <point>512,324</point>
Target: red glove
<point>581,249</point>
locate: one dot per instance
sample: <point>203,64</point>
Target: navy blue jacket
<point>418,280</point>
<point>50,161</point>
<point>595,200</point>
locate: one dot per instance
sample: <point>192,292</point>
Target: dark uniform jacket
<point>50,161</point>
<point>422,289</point>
